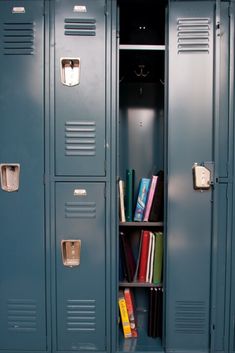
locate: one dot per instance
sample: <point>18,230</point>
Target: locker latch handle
<point>70,71</point>
<point>10,176</point>
<point>201,177</point>
<point>71,250</point>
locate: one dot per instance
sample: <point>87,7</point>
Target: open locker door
<point>190,171</point>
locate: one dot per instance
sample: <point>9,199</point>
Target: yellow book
<point>124,316</point>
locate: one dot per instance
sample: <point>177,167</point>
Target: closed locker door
<point>190,141</point>
<point>22,260</point>
<point>80,78</point>
<point>80,286</point>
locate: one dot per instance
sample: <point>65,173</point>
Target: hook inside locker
<point>70,71</point>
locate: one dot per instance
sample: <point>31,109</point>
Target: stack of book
<point>149,261</point>
<point>127,313</point>
<point>147,268</point>
<point>155,312</point>
<point>149,205</point>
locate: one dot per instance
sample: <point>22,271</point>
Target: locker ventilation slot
<point>190,317</point>
<point>82,210</point>
<point>80,138</point>
<point>80,27</point>
<point>22,315</point>
<point>193,35</point>
<point>81,315</point>
<point>18,38</point>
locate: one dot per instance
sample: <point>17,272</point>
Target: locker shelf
<point>141,47</point>
<point>141,224</point>
<point>139,284</point>
<point>141,344</point>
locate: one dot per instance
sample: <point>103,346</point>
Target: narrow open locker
<point>141,156</point>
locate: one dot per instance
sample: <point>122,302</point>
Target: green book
<point>158,258</point>
<point>130,176</point>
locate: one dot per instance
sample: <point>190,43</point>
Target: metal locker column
<point>190,140</point>
<point>80,79</point>
<point>22,239</point>
<point>80,281</point>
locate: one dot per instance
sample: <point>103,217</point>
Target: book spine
<point>151,235</point>
<point>150,198</point>
<point>121,201</point>
<point>129,194</point>
<point>144,256</point>
<point>158,257</point>
<point>141,201</point>
<point>156,211</point>
<point>130,309</point>
<point>150,312</point>
<point>124,316</point>
<point>129,261</point>
<point>152,259</point>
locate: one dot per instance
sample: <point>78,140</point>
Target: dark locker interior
<point>93,94</point>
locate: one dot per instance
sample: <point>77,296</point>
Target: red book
<point>131,312</point>
<point>144,256</point>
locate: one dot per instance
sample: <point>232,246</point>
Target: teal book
<point>142,199</point>
<point>130,179</point>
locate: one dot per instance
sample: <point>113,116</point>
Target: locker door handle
<point>71,250</point>
<point>201,177</point>
<point>10,176</point>
<point>70,71</point>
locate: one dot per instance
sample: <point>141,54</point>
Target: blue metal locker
<point>190,141</point>
<point>80,93</point>
<point>22,260</point>
<point>80,288</point>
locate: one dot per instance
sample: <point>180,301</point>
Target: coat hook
<point>141,72</point>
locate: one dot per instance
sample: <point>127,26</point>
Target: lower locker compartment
<point>80,267</point>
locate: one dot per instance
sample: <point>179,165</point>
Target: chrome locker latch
<point>201,177</point>
<point>71,250</point>
<point>10,176</point>
<point>70,71</point>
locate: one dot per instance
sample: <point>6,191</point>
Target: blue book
<point>142,199</point>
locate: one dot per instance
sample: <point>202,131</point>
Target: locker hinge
<point>105,192</point>
<point>106,9</point>
<point>105,167</point>
<point>218,28</point>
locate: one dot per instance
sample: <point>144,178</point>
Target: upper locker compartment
<point>80,117</point>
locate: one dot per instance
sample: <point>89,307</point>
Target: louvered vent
<point>80,138</point>
<point>81,315</point>
<point>82,210</point>
<point>22,315</point>
<point>190,317</point>
<point>80,27</point>
<point>193,35</point>
<point>18,38</point>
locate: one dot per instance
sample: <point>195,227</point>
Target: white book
<point>121,201</point>
<point>151,238</point>
<point>152,260</point>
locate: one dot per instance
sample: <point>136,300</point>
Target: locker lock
<point>70,250</point>
<point>201,177</point>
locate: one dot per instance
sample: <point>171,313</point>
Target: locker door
<point>190,140</point>
<point>80,87</point>
<point>22,260</point>
<point>80,306</point>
